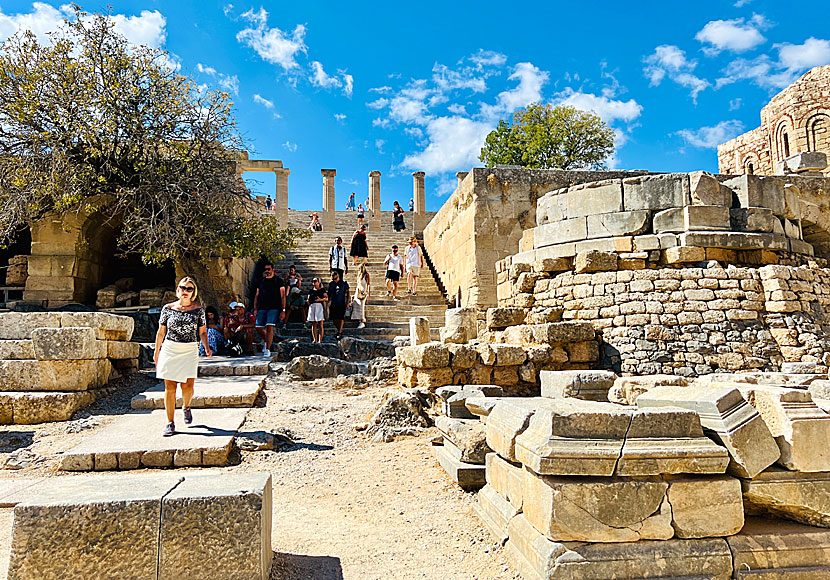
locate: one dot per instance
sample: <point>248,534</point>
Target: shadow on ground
<point>299,567</point>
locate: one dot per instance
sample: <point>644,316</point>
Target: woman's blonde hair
<point>362,272</point>
<point>413,239</point>
<point>195,287</point>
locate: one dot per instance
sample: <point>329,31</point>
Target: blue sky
<point>403,87</point>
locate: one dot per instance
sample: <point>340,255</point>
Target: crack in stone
<point>161,509</point>
<point>622,447</point>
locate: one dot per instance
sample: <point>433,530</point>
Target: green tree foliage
<point>89,122</point>
<point>548,137</point>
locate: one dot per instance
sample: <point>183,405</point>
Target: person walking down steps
<point>414,263</point>
<point>361,295</point>
<point>394,266</point>
<point>182,325</point>
<point>337,258</point>
<point>360,248</point>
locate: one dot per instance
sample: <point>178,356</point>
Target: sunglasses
<point>187,288</point>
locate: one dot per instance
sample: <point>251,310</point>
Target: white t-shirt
<point>413,257</point>
<point>395,263</point>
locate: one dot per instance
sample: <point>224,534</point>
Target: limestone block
<point>792,228</point>
<point>32,408</point>
<point>585,384</point>
<point>691,217</point>
<point>646,243</point>
<point>63,375</point>
<point>684,254</point>
<point>801,162</point>
<point>656,192</point>
<point>462,356</point>
<point>105,297</point>
<point>753,219</point>
<point>505,478</point>
<point>586,510</point>
<point>537,558</point>
<point>587,351</point>
<point>544,315</point>
<point>432,378</point>
<point>107,326</point>
<point>759,191</point>
<point>705,507</point>
<point>467,436</point>
<point>726,417</point>
<point>460,325</point>
<point>802,497</point>
<point>494,511</point>
<point>504,317</point>
<point>801,247</point>
<point>231,518</point>
<point>550,264</point>
<point>505,422</point>
<point>92,528</point>
<point>65,344</point>
<point>595,261</point>
<point>704,189</point>
<point>771,549</point>
<point>624,223</point>
<point>424,356</point>
<point>626,389</point>
<point>16,350</point>
<point>552,207</point>
<point>118,350</point>
<point>558,332</point>
<point>468,476</point>
<point>801,429</point>
<point>418,330</point>
<point>734,240</point>
<point>594,198</point>
<point>508,354</point>
<point>568,230</point>
<point>792,202</point>
<point>19,325</point>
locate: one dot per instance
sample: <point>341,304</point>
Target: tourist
<point>268,203</point>
<point>361,295</point>
<point>292,279</point>
<point>414,263</point>
<point>295,300</point>
<point>411,204</point>
<point>338,300</point>
<point>316,298</point>
<point>397,218</point>
<point>269,305</point>
<point>337,258</point>
<point>394,266</point>
<point>360,215</point>
<point>239,329</point>
<point>182,325</point>
<point>360,248</point>
<point>216,339</point>
<point>315,225</point>
<point>350,203</point>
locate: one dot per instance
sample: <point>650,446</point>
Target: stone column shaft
<point>281,196</point>
<point>374,202</point>
<point>327,216</point>
<point>419,195</point>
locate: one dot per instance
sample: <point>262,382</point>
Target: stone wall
<point>796,120</point>
<point>483,222</point>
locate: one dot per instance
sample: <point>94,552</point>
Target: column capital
<point>462,174</point>
<point>282,172</point>
<point>418,174</point>
<point>375,173</point>
<point>328,172</point>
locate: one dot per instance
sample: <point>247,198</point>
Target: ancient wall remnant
<point>796,120</point>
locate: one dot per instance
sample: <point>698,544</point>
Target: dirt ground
<point>344,507</point>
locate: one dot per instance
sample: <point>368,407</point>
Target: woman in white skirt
<point>361,295</point>
<point>317,296</point>
<point>181,326</point>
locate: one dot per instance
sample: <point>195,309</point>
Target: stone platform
<point>217,391</point>
<point>223,366</point>
<point>135,440</point>
<point>14,491</point>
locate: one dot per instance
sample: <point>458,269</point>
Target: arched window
<point>782,141</point>
<point>818,133</point>
<point>750,168</point>
<point>786,141</point>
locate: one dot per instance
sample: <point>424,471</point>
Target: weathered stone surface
<point>400,412</point>
<point>508,354</point>
<point>506,478</point>
<point>430,355</point>
<point>705,507</point>
<point>538,558</point>
<point>626,389</point>
<point>315,366</point>
<point>468,436</point>
<point>287,350</point>
<point>558,332</point>
<point>802,497</point>
<point>467,475</point>
<point>462,356</point>
<point>767,549</point>
<point>230,391</point>
<point>586,384</point>
<point>594,198</point>
<point>460,325</point>
<point>623,223</point>
<point>90,528</point>
<point>418,330</point>
<point>51,375</point>
<point>656,192</point>
<point>506,421</point>
<point>19,325</point>
<point>584,510</point>
<point>107,326</point>
<point>231,517</point>
<point>16,350</point>
<point>66,344</point>
<point>30,408</point>
<point>758,191</point>
<point>801,429</point>
<point>691,217</point>
<point>567,230</point>
<point>504,317</point>
<point>704,189</point>
<point>119,350</point>
<point>727,418</point>
<point>595,261</point>
<point>684,254</point>
<point>494,511</point>
<point>454,397</point>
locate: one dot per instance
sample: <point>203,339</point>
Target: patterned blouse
<point>182,326</point>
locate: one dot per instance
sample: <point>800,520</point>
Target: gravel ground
<point>344,507</point>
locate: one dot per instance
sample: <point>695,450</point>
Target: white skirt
<point>358,309</point>
<point>178,361</point>
<point>315,312</point>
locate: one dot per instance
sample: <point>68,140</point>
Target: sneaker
<point>169,430</point>
<point>361,325</point>
<point>388,293</point>
<point>188,415</point>
<point>414,294</point>
<point>396,299</point>
<point>266,352</point>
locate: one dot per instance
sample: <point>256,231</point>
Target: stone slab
<point>586,384</point>
<point>15,491</point>
<point>593,198</point>
<point>107,326</point>
<point>568,230</point>
<point>801,497</point>
<point>217,526</point>
<point>624,223</point>
<point>467,475</point>
<point>135,440</point>
<point>19,325</point>
<point>776,550</point>
<point>61,344</point>
<point>117,349</point>
<point>506,421</point>
<point>704,507</point>
<point>465,438</point>
<point>221,391</point>
<point>494,512</point>
<point>16,350</point>
<point>53,375</point>
<point>656,192</point>
<point>33,408</point>
<point>229,366</point>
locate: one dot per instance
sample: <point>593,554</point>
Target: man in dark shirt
<point>338,299</point>
<point>269,305</point>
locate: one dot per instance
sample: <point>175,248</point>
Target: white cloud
<point>263,101</point>
<point>799,57</point>
<point>671,60</point>
<point>447,79</point>
<point>148,28</point>
<point>272,44</point>
<point>608,109</point>
<point>290,146</point>
<point>741,3</point>
<point>735,104</point>
<point>382,123</point>
<point>340,116</point>
<point>733,35</point>
<point>793,60</point>
<point>378,104</point>
<point>453,142</point>
<point>529,90</point>
<point>379,143</point>
<point>229,83</point>
<point>457,109</point>
<point>711,137</point>
<point>484,58</point>
<point>382,90</point>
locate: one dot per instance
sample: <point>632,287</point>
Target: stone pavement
<point>219,391</point>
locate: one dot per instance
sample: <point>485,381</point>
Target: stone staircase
<point>386,318</point>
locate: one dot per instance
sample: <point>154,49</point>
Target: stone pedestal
<point>418,194</point>
<point>327,216</point>
<point>281,196</point>
<point>374,202</point>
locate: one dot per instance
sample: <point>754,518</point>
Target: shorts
<point>315,312</point>
<point>267,318</point>
<point>393,275</point>
<point>337,312</point>
<point>414,270</point>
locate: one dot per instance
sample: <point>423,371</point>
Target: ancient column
<point>419,215</point>
<point>281,196</point>
<point>327,217</point>
<point>460,176</point>
<point>374,202</point>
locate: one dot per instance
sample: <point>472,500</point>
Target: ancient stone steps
<point>219,391</point>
